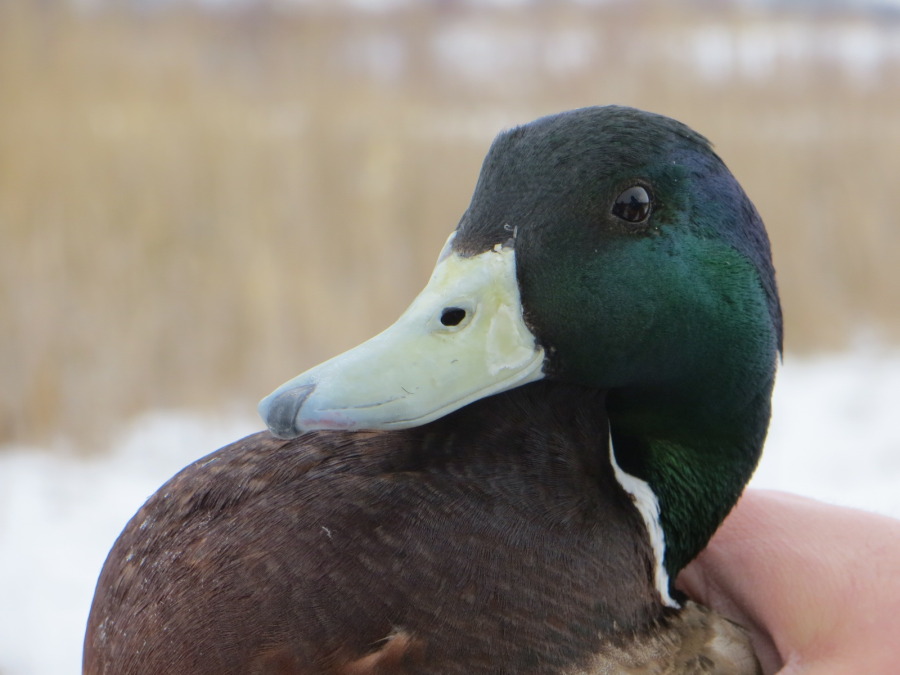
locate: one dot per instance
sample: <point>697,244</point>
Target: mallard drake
<point>508,479</point>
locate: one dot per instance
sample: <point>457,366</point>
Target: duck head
<point>606,247</point>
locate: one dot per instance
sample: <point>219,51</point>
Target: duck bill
<point>462,339</point>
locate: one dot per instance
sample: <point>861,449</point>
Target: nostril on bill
<point>452,316</point>
<point>280,413</point>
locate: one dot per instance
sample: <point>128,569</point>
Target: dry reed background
<point>195,207</point>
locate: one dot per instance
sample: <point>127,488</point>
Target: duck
<point>509,478</point>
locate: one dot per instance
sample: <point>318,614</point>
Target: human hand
<point>817,586</point>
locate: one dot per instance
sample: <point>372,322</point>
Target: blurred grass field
<point>194,207</point>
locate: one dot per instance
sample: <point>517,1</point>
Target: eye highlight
<point>632,205</point>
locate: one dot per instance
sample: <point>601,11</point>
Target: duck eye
<point>452,316</point>
<point>632,205</point>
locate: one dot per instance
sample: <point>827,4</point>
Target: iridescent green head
<point>607,247</point>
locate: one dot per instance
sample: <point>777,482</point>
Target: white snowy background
<point>834,436</point>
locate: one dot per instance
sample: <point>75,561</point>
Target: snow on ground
<point>834,436</point>
<point>834,433</point>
